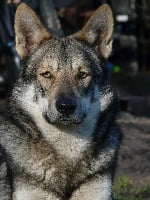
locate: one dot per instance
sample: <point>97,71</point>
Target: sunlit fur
<point>47,154</point>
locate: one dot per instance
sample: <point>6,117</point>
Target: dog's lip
<point>68,120</point>
<point>65,120</point>
<point>73,119</point>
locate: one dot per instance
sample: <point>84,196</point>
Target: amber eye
<point>82,74</point>
<point>47,74</point>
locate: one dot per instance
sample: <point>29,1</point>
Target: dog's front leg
<point>32,193</point>
<point>5,188</point>
<point>98,188</point>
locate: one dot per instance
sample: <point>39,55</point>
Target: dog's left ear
<point>98,30</point>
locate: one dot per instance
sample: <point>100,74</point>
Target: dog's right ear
<point>29,30</point>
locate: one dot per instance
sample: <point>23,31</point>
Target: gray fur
<point>44,154</point>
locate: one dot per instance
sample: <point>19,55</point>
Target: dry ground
<point>134,155</point>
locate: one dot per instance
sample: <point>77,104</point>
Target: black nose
<point>66,105</point>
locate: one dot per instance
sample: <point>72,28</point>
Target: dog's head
<point>63,77</point>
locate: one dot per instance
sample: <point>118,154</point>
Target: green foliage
<point>144,193</point>
<point>124,190</point>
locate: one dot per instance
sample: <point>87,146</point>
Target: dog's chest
<point>55,172</point>
<point>71,146</point>
<point>56,162</point>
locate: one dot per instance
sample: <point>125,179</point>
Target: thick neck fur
<point>70,142</point>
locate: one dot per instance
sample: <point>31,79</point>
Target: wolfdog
<point>60,139</point>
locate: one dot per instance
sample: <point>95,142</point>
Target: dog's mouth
<point>67,121</point>
<point>63,120</point>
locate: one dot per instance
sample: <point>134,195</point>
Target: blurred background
<point>128,69</point>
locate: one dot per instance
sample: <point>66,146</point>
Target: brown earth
<point>134,154</point>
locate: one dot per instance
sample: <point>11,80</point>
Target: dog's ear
<point>98,31</point>
<point>29,30</point>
